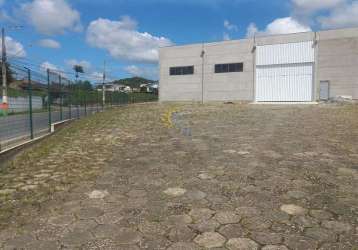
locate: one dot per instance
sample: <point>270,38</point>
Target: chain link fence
<point>38,101</point>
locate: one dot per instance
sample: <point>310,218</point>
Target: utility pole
<point>4,76</point>
<point>103,83</point>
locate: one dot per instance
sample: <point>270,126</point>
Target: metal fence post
<point>49,101</point>
<point>30,103</point>
<point>69,101</point>
<point>85,100</point>
<point>78,102</point>
<point>61,100</point>
<point>97,102</point>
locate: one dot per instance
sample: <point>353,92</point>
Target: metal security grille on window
<point>229,67</point>
<point>187,70</point>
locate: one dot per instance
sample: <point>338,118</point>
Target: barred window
<point>176,71</point>
<point>229,67</point>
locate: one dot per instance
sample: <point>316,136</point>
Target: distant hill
<point>133,82</point>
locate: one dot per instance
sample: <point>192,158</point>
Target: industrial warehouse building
<point>302,67</point>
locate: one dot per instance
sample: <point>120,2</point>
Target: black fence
<point>37,101</point>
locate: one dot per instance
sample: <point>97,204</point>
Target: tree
<point>9,74</point>
<point>84,85</point>
<point>78,69</point>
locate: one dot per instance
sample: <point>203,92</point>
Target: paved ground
<point>225,177</point>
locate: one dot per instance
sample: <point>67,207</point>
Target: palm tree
<point>78,69</point>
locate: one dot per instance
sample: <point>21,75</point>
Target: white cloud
<point>341,17</point>
<point>284,25</point>
<point>252,30</point>
<point>53,68</point>
<point>14,48</point>
<point>47,65</point>
<point>230,26</point>
<point>85,64</point>
<point>52,16</point>
<point>96,75</point>
<point>49,43</point>
<point>146,72</point>
<point>123,41</point>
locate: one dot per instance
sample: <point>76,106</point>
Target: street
<point>15,128</point>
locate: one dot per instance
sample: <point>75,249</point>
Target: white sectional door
<point>284,72</point>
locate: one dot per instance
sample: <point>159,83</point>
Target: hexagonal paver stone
<point>127,236</point>
<point>274,247</point>
<point>98,194</point>
<point>206,226</point>
<point>243,152</point>
<point>175,191</point>
<point>305,221</point>
<point>152,228</point>
<point>336,226</point>
<point>82,225</point>
<point>295,194</point>
<point>154,242</point>
<point>89,213</point>
<point>76,238</point>
<point>62,220</point>
<point>300,243</point>
<point>321,234</point>
<point>229,151</point>
<point>181,234</point>
<point>183,246</point>
<point>42,245</point>
<point>124,247</point>
<point>205,176</point>
<point>346,171</point>
<point>272,154</point>
<point>110,218</point>
<point>210,240</point>
<point>196,195</point>
<point>265,238</point>
<point>292,209</point>
<point>233,231</point>
<point>336,246</point>
<point>256,223</point>
<point>242,244</point>
<point>227,217</point>
<point>137,193</point>
<point>321,214</point>
<point>100,244</point>
<point>18,242</point>
<point>247,211</point>
<point>106,231</point>
<point>180,219</point>
<point>199,214</point>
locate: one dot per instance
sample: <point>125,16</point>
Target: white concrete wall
<point>336,61</point>
<point>184,87</point>
<point>229,86</point>
<point>217,87</point>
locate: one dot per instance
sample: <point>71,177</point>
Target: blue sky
<point>127,33</point>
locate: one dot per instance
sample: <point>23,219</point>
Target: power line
<point>27,64</point>
<point>40,66</point>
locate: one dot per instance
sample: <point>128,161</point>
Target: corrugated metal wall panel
<point>284,83</point>
<point>302,52</point>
